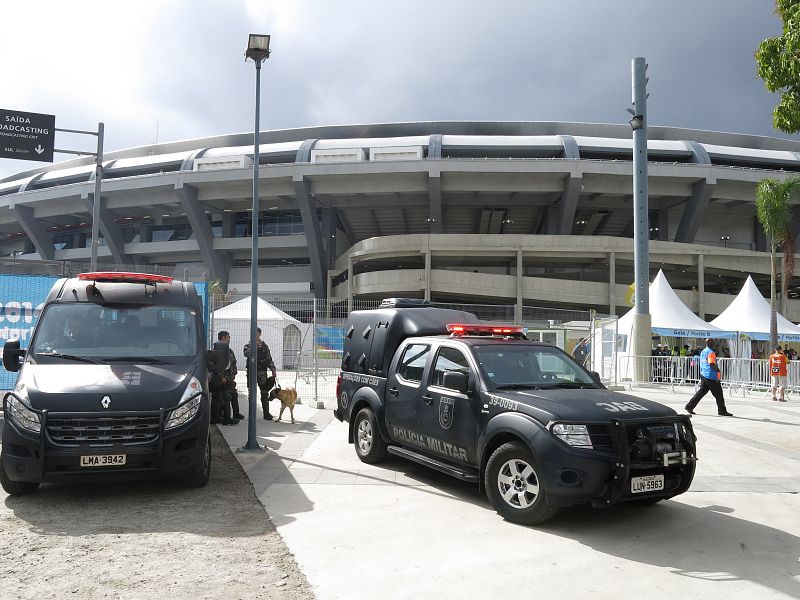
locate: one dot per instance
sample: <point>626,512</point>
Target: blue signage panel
<point>21,299</point>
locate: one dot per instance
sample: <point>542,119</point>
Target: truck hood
<point>584,405</point>
<point>82,387</point>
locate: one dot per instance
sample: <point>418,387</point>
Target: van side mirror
<point>12,355</point>
<point>455,380</point>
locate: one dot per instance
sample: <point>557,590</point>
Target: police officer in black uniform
<point>224,400</point>
<point>264,365</point>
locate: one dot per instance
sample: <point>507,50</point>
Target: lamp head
<point>257,47</point>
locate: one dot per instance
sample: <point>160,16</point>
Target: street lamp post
<point>258,52</point>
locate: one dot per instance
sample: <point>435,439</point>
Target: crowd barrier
<point>739,375</point>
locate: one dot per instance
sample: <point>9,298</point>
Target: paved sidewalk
<point>397,530</point>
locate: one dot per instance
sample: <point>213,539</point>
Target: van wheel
<point>14,488</point>
<point>200,478</point>
<point>514,486</point>
<point>370,446</point>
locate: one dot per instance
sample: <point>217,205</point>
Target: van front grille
<point>105,430</point>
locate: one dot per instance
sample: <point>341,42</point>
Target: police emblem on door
<point>446,407</point>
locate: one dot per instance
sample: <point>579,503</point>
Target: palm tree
<point>774,212</point>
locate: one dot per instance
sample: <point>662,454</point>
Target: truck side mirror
<point>455,380</point>
<point>595,376</point>
<point>12,355</point>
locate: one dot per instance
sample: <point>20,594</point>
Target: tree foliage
<point>774,212</point>
<point>778,64</point>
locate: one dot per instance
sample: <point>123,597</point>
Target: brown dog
<point>288,397</point>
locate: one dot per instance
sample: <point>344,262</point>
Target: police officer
<point>223,383</point>
<point>264,365</point>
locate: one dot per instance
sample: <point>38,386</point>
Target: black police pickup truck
<point>113,385</point>
<point>522,419</point>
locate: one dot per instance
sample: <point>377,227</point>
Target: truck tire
<point>14,488</point>
<point>369,444</point>
<point>513,485</point>
<point>200,478</point>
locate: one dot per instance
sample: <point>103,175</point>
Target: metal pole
<point>98,178</point>
<point>317,403</point>
<point>252,391</point>
<point>641,232</point>
<point>641,227</point>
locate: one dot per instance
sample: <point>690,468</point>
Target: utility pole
<point>642,332</point>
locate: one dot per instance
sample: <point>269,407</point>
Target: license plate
<point>647,483</point>
<point>103,460</point>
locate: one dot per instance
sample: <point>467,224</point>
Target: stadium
<point>512,213</point>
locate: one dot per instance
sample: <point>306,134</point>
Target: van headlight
<point>188,407</point>
<point>574,435</point>
<point>19,412</point>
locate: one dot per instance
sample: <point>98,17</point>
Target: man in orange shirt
<point>777,371</point>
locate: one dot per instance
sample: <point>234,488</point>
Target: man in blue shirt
<point>709,381</point>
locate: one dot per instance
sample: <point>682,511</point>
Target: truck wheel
<point>370,446</point>
<point>15,488</point>
<point>513,485</point>
<point>200,478</point>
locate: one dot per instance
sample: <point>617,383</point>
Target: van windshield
<point>84,330</point>
<point>519,366</point>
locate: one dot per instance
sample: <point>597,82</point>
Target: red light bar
<point>472,329</point>
<point>125,277</point>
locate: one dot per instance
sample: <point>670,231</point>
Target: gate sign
<point>27,136</point>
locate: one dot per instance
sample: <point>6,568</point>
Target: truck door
<point>403,388</point>
<point>447,416</point>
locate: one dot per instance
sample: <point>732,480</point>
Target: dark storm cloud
<point>365,61</point>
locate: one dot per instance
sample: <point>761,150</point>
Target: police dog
<point>287,396</point>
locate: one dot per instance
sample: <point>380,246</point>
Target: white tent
<point>280,331</point>
<point>671,317</point>
<point>749,313</point>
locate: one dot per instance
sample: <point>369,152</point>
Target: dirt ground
<point>146,540</point>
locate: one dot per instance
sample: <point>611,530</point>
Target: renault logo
<point>106,402</point>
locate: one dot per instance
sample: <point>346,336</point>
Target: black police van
<point>113,385</point>
<point>522,419</point>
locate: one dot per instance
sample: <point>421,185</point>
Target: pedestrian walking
<point>778,371</point>
<point>709,381</point>
<point>264,365</point>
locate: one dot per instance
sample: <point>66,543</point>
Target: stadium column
<point>697,204</point>
<point>308,212</point>
<point>111,234</point>
<point>435,200</point>
<point>701,286</point>
<point>612,283</point>
<point>568,203</point>
<point>218,265</point>
<point>35,231</point>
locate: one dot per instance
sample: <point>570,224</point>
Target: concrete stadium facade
<point>523,213</point>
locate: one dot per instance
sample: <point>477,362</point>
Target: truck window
<point>529,365</point>
<point>449,359</point>
<point>412,363</point>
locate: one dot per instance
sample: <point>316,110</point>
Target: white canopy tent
<point>749,314</point>
<point>671,317</point>
<point>280,331</point>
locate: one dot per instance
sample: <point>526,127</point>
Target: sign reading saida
<point>27,136</point>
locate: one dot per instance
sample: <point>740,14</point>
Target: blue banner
<point>21,300</point>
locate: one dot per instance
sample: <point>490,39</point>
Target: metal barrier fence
<point>739,375</point>
<point>306,336</point>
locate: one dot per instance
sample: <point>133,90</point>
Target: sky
<point>168,70</point>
